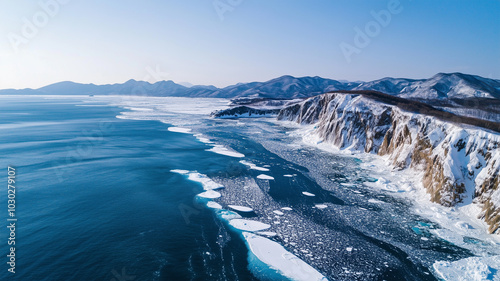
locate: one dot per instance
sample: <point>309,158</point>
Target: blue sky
<point>224,42</point>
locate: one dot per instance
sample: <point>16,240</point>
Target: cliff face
<point>460,164</point>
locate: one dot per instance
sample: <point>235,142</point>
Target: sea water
<point>108,188</point>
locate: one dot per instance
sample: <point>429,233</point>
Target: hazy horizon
<point>183,83</point>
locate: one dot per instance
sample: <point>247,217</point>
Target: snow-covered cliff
<point>459,164</point>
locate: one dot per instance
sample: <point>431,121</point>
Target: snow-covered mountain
<point>285,87</point>
<point>388,85</point>
<point>282,87</point>
<point>454,85</point>
<point>442,86</point>
<point>458,163</point>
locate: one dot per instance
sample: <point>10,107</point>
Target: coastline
<point>458,223</point>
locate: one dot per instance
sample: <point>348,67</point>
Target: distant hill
<point>285,87</point>
<point>442,86</point>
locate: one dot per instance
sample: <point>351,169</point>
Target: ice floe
<point>265,177</point>
<point>277,258</point>
<point>219,149</point>
<point>202,139</point>
<point>228,215</point>
<point>459,226</point>
<point>308,194</point>
<point>206,182</point>
<point>210,194</point>
<point>240,208</point>
<point>248,225</point>
<point>267,233</point>
<point>213,205</point>
<point>473,268</point>
<point>179,130</point>
<point>253,166</point>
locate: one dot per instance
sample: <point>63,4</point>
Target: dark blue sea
<point>98,197</point>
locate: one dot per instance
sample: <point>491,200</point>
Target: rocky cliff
<point>459,163</point>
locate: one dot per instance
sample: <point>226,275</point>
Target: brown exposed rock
<point>491,214</point>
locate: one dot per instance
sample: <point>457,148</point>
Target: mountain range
<point>442,86</point>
